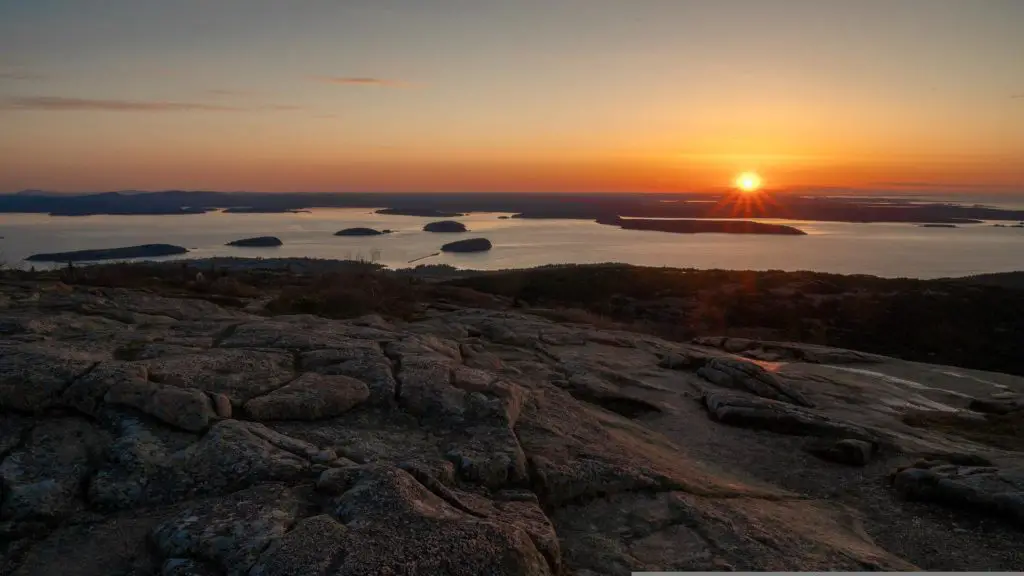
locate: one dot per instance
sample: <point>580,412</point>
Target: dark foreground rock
<point>143,251</point>
<point>983,489</point>
<point>361,232</point>
<point>258,242</point>
<point>142,434</point>
<point>445,226</point>
<point>470,245</point>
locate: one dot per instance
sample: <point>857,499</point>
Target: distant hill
<point>1003,279</point>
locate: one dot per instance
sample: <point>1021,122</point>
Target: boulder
<point>846,451</point>
<point>222,405</point>
<point>189,410</point>
<point>993,491</point>
<point>762,414</point>
<point>743,375</point>
<point>997,405</point>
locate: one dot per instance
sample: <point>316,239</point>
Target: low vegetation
<point>951,322</point>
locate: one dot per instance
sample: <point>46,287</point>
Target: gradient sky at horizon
<point>482,95</point>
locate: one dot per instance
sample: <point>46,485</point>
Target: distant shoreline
<point>728,206</point>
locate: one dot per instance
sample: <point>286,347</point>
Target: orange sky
<point>552,95</point>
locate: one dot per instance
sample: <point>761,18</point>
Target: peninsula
<point>703,226</point>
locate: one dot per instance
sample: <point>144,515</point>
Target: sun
<point>748,182</point>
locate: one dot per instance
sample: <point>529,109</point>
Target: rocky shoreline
<point>147,434</point>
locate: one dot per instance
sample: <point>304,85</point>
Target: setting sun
<point>748,182</point>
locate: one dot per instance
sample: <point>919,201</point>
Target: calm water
<point>880,249</point>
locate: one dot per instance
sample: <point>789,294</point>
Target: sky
<point>501,95</point>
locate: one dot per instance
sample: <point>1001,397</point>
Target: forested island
<point>143,251</point>
<point>258,242</point>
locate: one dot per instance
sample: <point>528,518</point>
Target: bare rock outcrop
<point>997,491</point>
<point>309,397</point>
<point>143,434</point>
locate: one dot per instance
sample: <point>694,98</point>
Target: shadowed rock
<point>309,397</point>
<point>847,451</point>
<point>760,414</point>
<point>232,532</point>
<point>999,492</point>
<point>43,479</point>
<point>469,441</point>
<point>394,521</point>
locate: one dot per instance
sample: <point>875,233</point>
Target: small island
<point>937,225</point>
<point>258,242</point>
<point>264,210</point>
<point>702,226</point>
<point>445,226</point>
<point>143,251</point>
<point>469,245</point>
<point>361,232</point>
<point>424,212</point>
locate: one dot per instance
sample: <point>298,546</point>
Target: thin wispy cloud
<point>60,103</point>
<point>1017,96</point>
<point>218,92</point>
<point>922,184</point>
<point>361,81</point>
<point>20,76</point>
<point>64,104</point>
